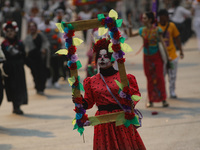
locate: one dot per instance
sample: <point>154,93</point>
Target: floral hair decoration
<point>101,44</point>
<point>10,24</point>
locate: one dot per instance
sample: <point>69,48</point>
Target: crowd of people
<point>43,39</point>
<point>36,50</point>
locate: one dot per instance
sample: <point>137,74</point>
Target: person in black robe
<point>2,59</point>
<point>15,82</point>
<point>1,88</point>
<point>37,49</point>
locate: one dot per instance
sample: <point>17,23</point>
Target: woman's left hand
<point>181,55</point>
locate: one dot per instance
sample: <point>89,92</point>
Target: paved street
<point>47,125</point>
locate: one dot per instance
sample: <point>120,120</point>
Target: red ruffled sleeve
<point>88,96</point>
<point>133,86</point>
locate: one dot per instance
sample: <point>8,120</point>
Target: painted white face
<point>103,59</point>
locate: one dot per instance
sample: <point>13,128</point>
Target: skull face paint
<point>103,59</point>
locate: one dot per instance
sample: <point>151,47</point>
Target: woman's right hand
<point>78,100</point>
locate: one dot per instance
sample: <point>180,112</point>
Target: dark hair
<point>150,15</point>
<point>32,22</point>
<point>128,12</point>
<point>163,12</point>
<point>176,3</point>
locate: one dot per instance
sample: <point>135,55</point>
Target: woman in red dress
<point>152,59</point>
<point>108,136</point>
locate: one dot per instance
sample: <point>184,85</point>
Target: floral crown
<point>101,44</point>
<point>10,24</point>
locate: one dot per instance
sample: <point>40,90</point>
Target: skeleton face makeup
<point>103,59</point>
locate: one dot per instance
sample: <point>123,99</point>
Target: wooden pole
<point>122,73</point>
<point>76,92</point>
<point>84,24</point>
<point>124,80</point>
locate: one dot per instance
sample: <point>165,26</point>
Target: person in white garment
<point>182,19</point>
<point>85,14</point>
<point>196,20</point>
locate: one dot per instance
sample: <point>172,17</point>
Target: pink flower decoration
<point>74,58</point>
<point>115,41</point>
<point>122,94</point>
<point>87,123</point>
<point>115,55</point>
<point>79,105</point>
<point>65,36</point>
<point>127,110</point>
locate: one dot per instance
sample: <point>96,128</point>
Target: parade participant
<point>93,35</point>
<point>60,17</point>
<point>85,14</point>
<point>49,29</point>
<point>2,59</point>
<point>196,20</point>
<point>90,66</point>
<point>181,17</point>
<point>1,88</point>
<point>171,34</point>
<point>15,83</point>
<point>108,135</point>
<point>37,48</point>
<point>152,60</point>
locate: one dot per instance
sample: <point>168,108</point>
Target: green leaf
<point>102,31</point>
<point>100,16</point>
<point>135,98</point>
<point>119,22</point>
<point>113,14</point>
<point>135,121</point>
<point>119,84</point>
<point>120,120</point>
<point>119,91</point>
<point>125,47</point>
<point>78,78</point>
<point>70,26</point>
<point>112,59</point>
<point>110,48</point>
<point>127,123</point>
<point>71,80</point>
<point>62,52</point>
<point>80,87</point>
<point>75,127</point>
<point>63,25</point>
<point>80,130</point>
<point>58,25</point>
<point>94,121</point>
<point>77,41</point>
<point>74,121</point>
<point>122,39</point>
<point>78,63</point>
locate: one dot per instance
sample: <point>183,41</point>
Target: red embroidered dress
<point>153,64</point>
<point>109,136</point>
